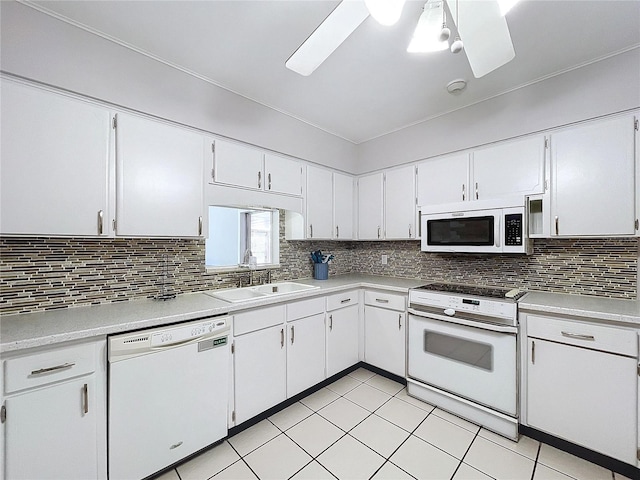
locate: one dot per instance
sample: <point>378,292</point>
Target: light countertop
<point>22,331</point>
<point>596,308</point>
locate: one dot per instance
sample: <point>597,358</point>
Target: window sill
<point>240,268</point>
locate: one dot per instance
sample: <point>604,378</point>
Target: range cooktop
<point>475,290</point>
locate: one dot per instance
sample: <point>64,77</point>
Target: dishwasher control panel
<point>152,340</point>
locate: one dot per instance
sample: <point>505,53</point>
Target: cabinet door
<point>260,371</point>
<point>584,396</point>
<point>319,205</point>
<point>593,179</point>
<point>305,354</point>
<point>400,203</point>
<point>50,434</point>
<point>282,175</point>
<point>343,206</point>
<point>342,339</point>
<point>509,169</point>
<point>370,207</point>
<point>55,164</point>
<point>239,165</point>
<point>384,339</point>
<point>160,184</point>
<point>443,180</point>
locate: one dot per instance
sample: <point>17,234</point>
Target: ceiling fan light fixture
<point>457,45</point>
<point>426,36</point>
<point>385,12</point>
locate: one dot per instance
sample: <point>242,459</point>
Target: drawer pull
<point>52,369</point>
<point>345,300</point>
<point>382,300</point>
<point>579,336</point>
<point>85,398</point>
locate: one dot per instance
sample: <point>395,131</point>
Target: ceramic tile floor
<point>365,426</point>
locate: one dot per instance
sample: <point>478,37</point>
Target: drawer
<point>52,366</point>
<point>305,308</point>
<point>385,300</point>
<point>596,337</point>
<point>258,319</point>
<point>343,299</point>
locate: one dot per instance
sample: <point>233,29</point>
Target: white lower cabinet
<point>342,331</point>
<point>305,353</point>
<point>259,359</point>
<point>55,413</point>
<point>582,383</point>
<point>385,332</point>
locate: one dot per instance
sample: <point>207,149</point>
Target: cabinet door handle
<point>399,321</point>
<point>557,231</point>
<point>463,193</point>
<point>213,158</point>
<point>533,352</point>
<point>199,226</point>
<point>579,336</point>
<point>259,179</point>
<point>269,180</point>
<point>85,398</point>
<point>409,230</point>
<point>100,222</point>
<point>52,369</point>
<point>292,334</point>
<point>330,322</point>
<point>378,232</point>
<point>337,231</point>
<point>476,190</point>
<point>282,338</point>
<point>382,300</point>
<point>311,230</point>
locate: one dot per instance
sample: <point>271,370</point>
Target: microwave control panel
<point>513,229</point>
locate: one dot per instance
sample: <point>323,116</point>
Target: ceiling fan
<point>481,29</point>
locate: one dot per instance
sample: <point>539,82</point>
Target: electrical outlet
<point>384,259</point>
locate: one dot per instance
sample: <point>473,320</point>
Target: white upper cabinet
<point>319,206</point>
<point>400,203</point>
<point>243,166</point>
<point>342,206</point>
<point>509,169</point>
<point>370,207</point>
<point>159,170</point>
<point>593,179</point>
<point>282,175</point>
<point>237,164</point>
<point>443,180</point>
<point>55,164</point>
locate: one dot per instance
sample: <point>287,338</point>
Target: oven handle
<point>463,321</point>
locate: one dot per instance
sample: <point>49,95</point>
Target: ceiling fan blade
<point>485,33</point>
<point>329,35</point>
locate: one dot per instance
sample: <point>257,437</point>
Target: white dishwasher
<point>168,395</point>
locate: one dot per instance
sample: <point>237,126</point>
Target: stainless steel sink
<point>235,295</point>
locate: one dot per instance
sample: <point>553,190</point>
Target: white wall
<point>609,86</point>
<point>39,47</point>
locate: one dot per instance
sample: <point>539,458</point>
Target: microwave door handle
<point>498,230</point>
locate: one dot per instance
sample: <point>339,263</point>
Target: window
<point>237,234</point>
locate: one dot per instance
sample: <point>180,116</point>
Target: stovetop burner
<point>479,291</point>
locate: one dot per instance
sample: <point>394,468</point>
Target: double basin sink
<point>235,295</point>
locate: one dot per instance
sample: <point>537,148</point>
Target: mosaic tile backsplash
<point>46,273</point>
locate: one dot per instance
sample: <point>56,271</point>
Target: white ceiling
<point>370,86</point>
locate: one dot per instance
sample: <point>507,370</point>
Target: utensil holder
<point>321,271</point>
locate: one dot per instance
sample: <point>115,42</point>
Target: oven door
<point>474,363</point>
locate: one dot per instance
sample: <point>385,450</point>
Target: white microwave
<point>496,226</point>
